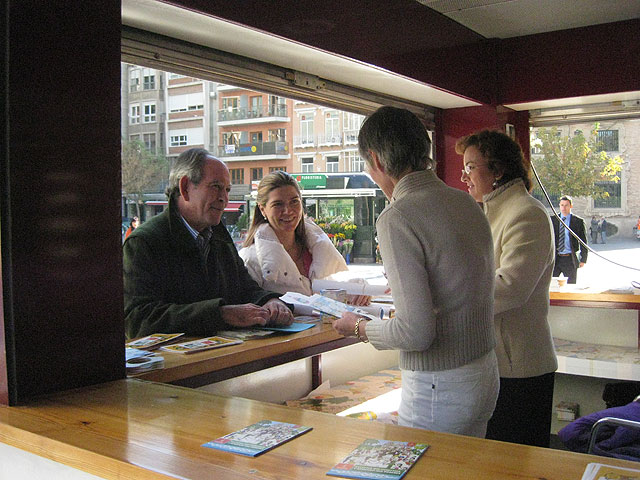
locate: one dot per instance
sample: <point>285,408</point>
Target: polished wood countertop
<point>594,297</point>
<point>133,429</point>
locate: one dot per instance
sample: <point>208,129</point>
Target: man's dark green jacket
<point>169,289</point>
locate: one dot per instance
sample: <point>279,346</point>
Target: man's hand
<point>581,265</point>
<point>246,315</point>
<point>279,313</point>
<point>359,300</point>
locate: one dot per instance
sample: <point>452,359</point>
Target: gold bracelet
<point>357,329</point>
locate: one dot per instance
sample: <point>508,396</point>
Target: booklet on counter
<point>153,341</point>
<point>200,345</point>
<point>379,459</point>
<point>293,328</point>
<point>600,471</point>
<point>257,438</point>
<point>243,334</point>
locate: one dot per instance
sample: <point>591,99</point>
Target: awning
<point>234,206</point>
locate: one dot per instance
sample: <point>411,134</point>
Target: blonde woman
<point>284,251</point>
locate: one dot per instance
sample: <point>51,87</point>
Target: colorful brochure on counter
<point>379,459</point>
<point>600,471</point>
<point>257,438</point>
<point>153,341</point>
<point>200,345</point>
<point>293,328</point>
<point>319,303</point>
<point>250,334</point>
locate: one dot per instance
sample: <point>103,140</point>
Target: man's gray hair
<point>189,163</point>
<point>399,139</point>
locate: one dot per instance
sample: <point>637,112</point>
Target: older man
<point>182,272</point>
<point>438,255</point>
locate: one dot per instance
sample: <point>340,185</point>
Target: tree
<point>573,165</point>
<point>141,171</point>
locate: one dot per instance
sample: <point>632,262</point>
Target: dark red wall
<point>61,246</point>
<point>458,122</point>
<point>570,63</point>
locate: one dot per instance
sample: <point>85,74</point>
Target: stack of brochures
<point>151,342</point>
<point>201,344</point>
<point>139,361</point>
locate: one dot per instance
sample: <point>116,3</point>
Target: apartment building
<point>325,139</point>
<point>254,133</point>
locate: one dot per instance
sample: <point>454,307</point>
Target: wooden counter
<point>570,298</point>
<point>132,429</point>
<point>203,368</point>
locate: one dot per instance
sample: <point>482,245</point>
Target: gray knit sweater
<point>437,252</point>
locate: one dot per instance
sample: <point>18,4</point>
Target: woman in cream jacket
<point>524,253</point>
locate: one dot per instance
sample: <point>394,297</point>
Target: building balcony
<point>235,116</point>
<point>329,139</point>
<point>304,141</point>
<point>255,149</point>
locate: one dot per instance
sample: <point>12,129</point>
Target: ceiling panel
<point>515,18</point>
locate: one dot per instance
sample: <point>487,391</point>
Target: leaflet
<point>257,438</point>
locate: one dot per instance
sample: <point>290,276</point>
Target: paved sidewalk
<point>606,265</point>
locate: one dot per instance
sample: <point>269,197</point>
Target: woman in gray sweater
<point>437,252</point>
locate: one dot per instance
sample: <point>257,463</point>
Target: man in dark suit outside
<point>570,254</point>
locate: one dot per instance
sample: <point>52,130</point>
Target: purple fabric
<point>612,441</point>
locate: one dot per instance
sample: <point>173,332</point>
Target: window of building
<point>134,138</point>
<point>306,129</point>
<point>134,80</point>
<point>277,169</point>
<point>186,102</point>
<point>237,176</point>
<point>149,79</point>
<point>277,106</point>
<point>277,134</point>
<point>353,161</point>
<point>229,103</point>
<point>351,123</point>
<point>149,140</point>
<point>608,140</point>
<point>307,165</point>
<point>332,126</point>
<point>177,140</point>
<point>134,114</point>
<point>614,200</point>
<point>256,174</point>
<point>332,163</point>
<point>256,106</point>
<point>149,113</point>
<point>230,138</point>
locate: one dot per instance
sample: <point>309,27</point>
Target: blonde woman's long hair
<point>268,184</point>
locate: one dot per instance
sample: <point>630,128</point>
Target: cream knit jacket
<point>524,252</point>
